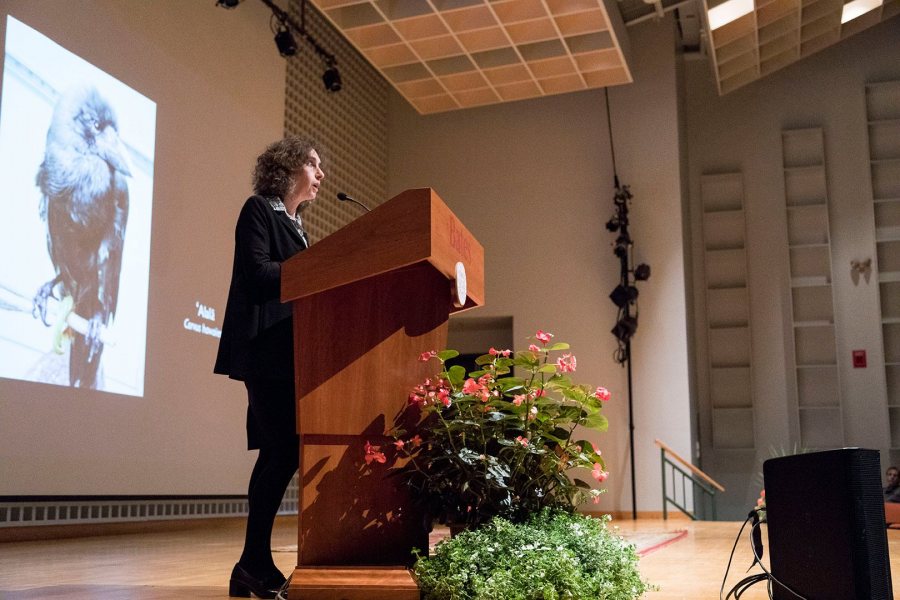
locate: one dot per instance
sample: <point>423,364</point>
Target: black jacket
<point>257,332</point>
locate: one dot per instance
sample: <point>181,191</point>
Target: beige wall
<point>742,131</point>
<point>533,182</point>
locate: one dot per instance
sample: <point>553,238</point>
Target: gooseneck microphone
<point>345,198</point>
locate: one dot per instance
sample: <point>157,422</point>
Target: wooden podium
<point>368,300</point>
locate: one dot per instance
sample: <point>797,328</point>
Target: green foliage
<point>499,440</point>
<point>553,555</point>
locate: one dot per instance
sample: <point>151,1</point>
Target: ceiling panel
<point>451,54</point>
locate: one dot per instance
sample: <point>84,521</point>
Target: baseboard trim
<point>80,530</point>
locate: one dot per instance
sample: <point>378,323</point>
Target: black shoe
<point>243,583</point>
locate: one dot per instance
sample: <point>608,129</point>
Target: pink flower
<point>566,363</point>
<point>471,386</point>
<point>430,392</point>
<point>533,348</point>
<point>414,398</point>
<point>399,444</point>
<point>518,399</point>
<point>426,356</point>
<point>598,473</point>
<point>539,392</point>
<point>532,413</point>
<point>596,500</point>
<point>416,441</point>
<point>494,352</point>
<point>374,454</point>
<point>602,394</point>
<point>521,440</point>
<point>543,336</point>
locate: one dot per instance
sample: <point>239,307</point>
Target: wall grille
<point>84,510</point>
<point>350,125</point>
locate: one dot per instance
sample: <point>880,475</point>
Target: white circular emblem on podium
<point>459,289</point>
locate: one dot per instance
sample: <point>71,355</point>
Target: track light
<point>284,27</point>
<point>332,79</point>
<point>284,39</point>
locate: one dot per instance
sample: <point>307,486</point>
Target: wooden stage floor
<point>195,562</point>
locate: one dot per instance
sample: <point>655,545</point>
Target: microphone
<point>345,198</point>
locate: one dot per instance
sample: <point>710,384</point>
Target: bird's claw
<point>39,303</point>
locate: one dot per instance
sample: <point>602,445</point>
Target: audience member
<point>892,489</point>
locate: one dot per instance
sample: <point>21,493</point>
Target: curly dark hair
<point>275,167</point>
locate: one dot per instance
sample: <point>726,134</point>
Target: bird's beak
<point>111,149</point>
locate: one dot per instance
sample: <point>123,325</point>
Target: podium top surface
<point>413,227</point>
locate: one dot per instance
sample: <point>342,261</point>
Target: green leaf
<point>596,422</point>
<point>586,446</point>
<point>547,369</point>
<point>446,355</point>
<point>526,360</point>
<point>510,383</point>
<point>457,375</point>
<point>484,359</point>
<point>558,346</point>
<point>559,434</point>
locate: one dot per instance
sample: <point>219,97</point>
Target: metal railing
<point>703,488</point>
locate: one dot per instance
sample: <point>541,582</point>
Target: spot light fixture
<point>284,39</point>
<point>624,295</point>
<point>642,272</point>
<point>625,328</point>
<point>331,78</point>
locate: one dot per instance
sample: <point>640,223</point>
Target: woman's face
<point>306,181</point>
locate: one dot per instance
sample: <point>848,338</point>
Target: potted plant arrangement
<point>496,452</point>
<point>552,555</point>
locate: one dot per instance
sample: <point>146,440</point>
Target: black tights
<point>271,424</point>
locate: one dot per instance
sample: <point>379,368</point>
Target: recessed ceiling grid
<point>775,33</point>
<point>450,54</point>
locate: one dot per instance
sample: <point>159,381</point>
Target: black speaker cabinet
<point>827,538</point>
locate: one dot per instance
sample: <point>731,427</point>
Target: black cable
<point>747,582</point>
<point>612,149</point>
<point>731,557</point>
<point>769,575</point>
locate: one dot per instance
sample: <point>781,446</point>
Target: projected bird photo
<point>84,202</point>
<point>76,190</point>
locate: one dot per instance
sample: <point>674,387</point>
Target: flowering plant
<point>497,442</point>
<point>552,554</point>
